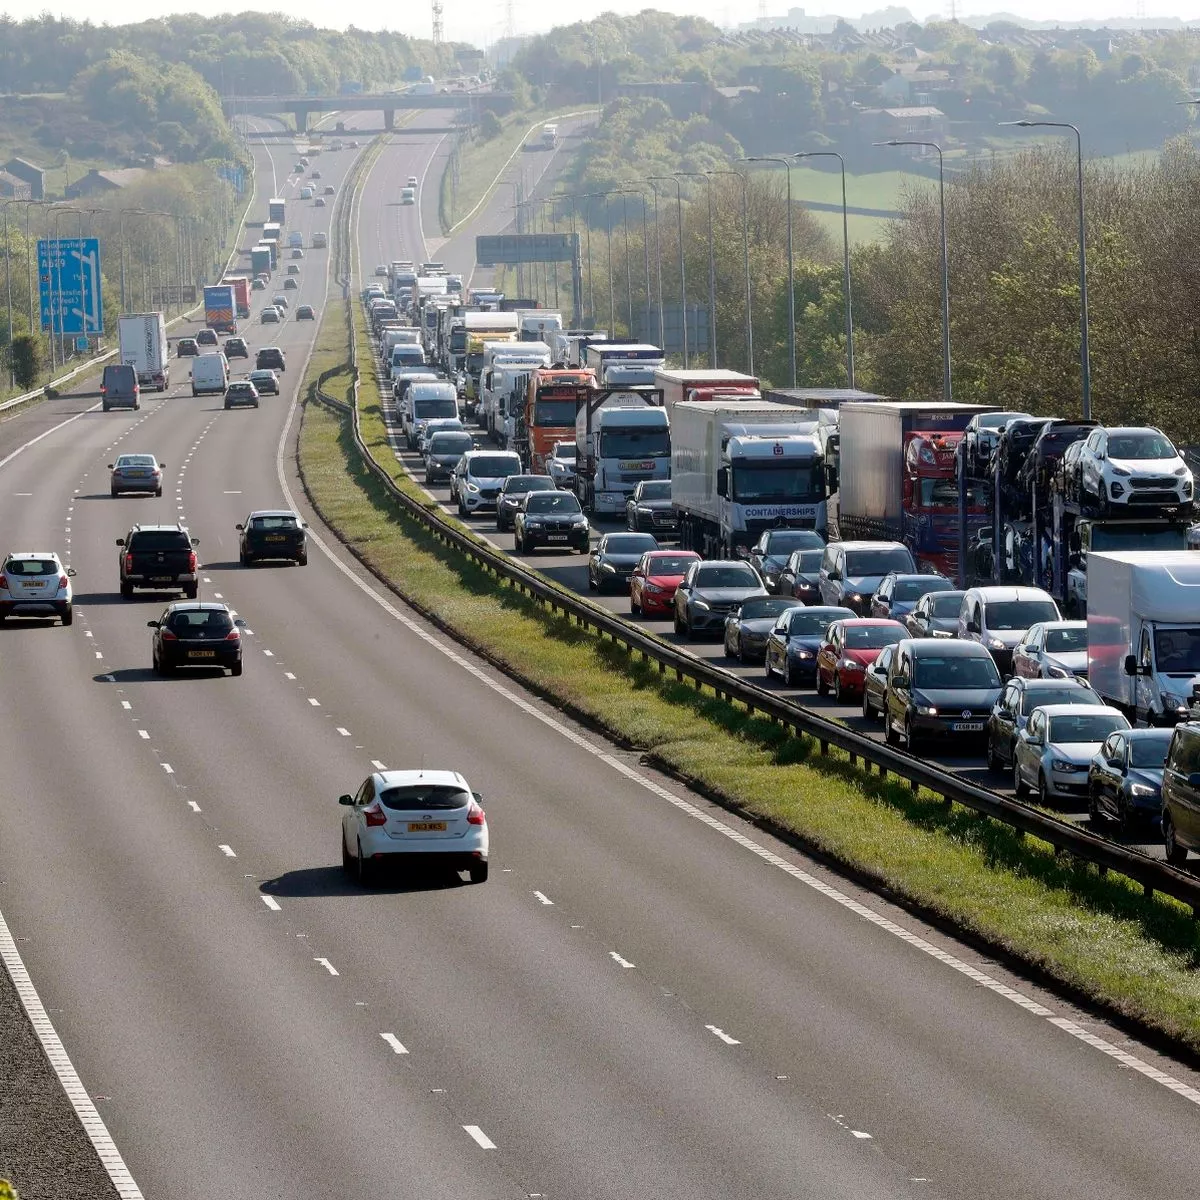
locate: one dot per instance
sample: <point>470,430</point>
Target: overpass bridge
<point>300,107</point>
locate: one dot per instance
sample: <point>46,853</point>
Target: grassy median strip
<point>1099,936</point>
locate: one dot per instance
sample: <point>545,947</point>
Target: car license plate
<point>556,537</point>
<point>137,474</point>
<point>32,583</point>
<point>427,827</point>
<point>202,654</point>
<point>276,537</point>
<point>968,727</point>
<point>160,578</point>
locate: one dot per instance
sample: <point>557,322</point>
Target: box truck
<point>261,259</point>
<point>142,338</point>
<point>1143,628</point>
<point>241,293</point>
<point>701,385</point>
<point>220,313</point>
<point>739,467</point>
<point>623,364</point>
<point>277,210</point>
<point>621,438</point>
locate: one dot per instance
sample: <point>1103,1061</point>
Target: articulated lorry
<point>552,400</point>
<point>502,384</point>
<point>698,385</point>
<point>899,479</point>
<point>739,467</point>
<point>142,338</point>
<point>220,311</point>
<point>622,437</point>
<point>241,293</point>
<point>623,364</point>
<point>1143,632</point>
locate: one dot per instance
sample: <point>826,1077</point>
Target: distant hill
<point>978,22</point>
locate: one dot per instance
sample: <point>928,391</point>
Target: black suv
<point>270,357</point>
<point>272,534</point>
<point>158,557</point>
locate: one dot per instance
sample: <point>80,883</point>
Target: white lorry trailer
<point>142,338</point>
<point>1143,618</point>
<point>739,467</point>
<point>623,364</point>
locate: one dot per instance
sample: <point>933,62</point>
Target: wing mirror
<point>972,626</point>
<point>239,528</point>
<point>239,623</point>
<point>900,681</point>
<point>1131,666</point>
<point>110,466</point>
<point>120,541</point>
<point>162,466</point>
<point>70,572</point>
<point>151,624</point>
<point>346,800</point>
<point>834,576</point>
<point>195,541</point>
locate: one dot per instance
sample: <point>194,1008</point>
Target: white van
<point>408,195</point>
<point>405,354</point>
<point>210,374</point>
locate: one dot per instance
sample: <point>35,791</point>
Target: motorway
<point>648,998</point>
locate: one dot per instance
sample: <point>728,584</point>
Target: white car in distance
<point>416,819</point>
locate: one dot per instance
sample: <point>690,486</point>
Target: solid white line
<point>193,806</point>
<point>378,765</point>
<point>481,1137</point>
<point>170,770</point>
<point>544,899</point>
<point>269,653</point>
<point>126,705</point>
<point>343,732</point>
<point>226,850</point>
<point>288,675</point>
<point>314,702</point>
<point>271,903</point>
<point>142,733</point>
<point>621,962</point>
<point>396,1044</point>
<point>81,1102</point>
<point>729,1041</point>
<point>327,965</point>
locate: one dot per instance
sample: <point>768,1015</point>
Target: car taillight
<point>129,562</point>
<point>476,815</point>
<point>168,636</point>
<point>191,560</point>
<point>375,816</point>
<point>233,636</point>
<point>62,581</point>
<point>4,582</point>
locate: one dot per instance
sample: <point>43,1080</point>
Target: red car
<point>654,580</point>
<point>850,647</point>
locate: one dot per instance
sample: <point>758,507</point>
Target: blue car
<point>795,639</point>
<point>1125,778</point>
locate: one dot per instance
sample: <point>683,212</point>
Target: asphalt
<point>647,998</point>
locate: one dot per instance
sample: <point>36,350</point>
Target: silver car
<point>445,448</point>
<point>560,465</point>
<point>35,584</point>
<point>710,591</point>
<point>1054,751</point>
<point>1053,650</point>
<point>135,473</point>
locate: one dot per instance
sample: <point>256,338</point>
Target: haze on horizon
<point>482,22</point>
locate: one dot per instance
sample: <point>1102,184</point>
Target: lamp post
<point>712,269</point>
<point>746,259</point>
<point>516,187</point>
<point>846,302</point>
<point>791,287</point>
<point>635,189</point>
<point>946,388</point>
<point>658,268</point>
<point>682,265</point>
<point>1085,366</point>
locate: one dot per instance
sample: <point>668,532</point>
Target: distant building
<point>12,188</point>
<point>100,183</point>
<point>683,98</point>
<point>921,122</point>
<point>30,173</point>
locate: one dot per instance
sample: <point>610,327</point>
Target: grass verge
<point>1098,937</point>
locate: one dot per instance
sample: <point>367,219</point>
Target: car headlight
<point>703,605</point>
<point>1175,704</point>
<point>848,664</point>
<point>1058,673</point>
<point>1121,471</point>
<point>471,487</point>
<point>1187,488</point>
<point>606,566</point>
<point>653,589</point>
<point>1180,471</point>
<point>1142,791</point>
<point>645,511</point>
<point>926,710</point>
<point>1062,764</point>
<point>995,644</point>
<point>533,523</point>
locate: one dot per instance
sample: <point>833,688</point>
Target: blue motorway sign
<point>70,287</point>
<point>235,174</point>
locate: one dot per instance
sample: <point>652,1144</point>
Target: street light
<point>682,267</point>
<point>791,287</point>
<point>658,260</point>
<point>632,186</point>
<point>516,206</point>
<point>712,269</point>
<point>746,259</point>
<point>946,394</point>
<point>845,259</point>
<point>1085,365</point>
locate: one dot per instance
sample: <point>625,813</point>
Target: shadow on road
<point>333,881</point>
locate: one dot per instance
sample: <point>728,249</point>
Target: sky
<point>483,21</point>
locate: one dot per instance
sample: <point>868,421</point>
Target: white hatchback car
<point>426,818</point>
<point>35,584</point>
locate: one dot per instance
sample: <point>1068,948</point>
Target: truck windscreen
<point>1177,651</point>
<point>554,412</point>
<point>943,493</point>
<point>635,441</point>
<point>769,482</point>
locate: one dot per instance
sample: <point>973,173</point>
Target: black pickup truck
<point>160,558</point>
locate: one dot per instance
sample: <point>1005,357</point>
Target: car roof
<point>1111,429</point>
<point>389,779</point>
<point>21,554</point>
<point>274,512</point>
<point>1063,624</point>
<point>1003,592</point>
<point>1078,710</point>
<point>1038,685</point>
<point>198,606</point>
<point>866,545</point>
<point>860,622</point>
<point>946,646</point>
<point>158,528</point>
<point>510,454</point>
<point>668,553</point>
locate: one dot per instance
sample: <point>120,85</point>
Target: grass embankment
<point>1099,936</point>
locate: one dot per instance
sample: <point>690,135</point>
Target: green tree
<point>24,356</point>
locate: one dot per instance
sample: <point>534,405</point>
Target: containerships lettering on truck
<point>219,312</point>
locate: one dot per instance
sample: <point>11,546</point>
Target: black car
<point>1052,441</point>
<point>748,627</point>
<point>270,356</point>
<point>1020,697</point>
<point>305,313</point>
<point>241,392</point>
<point>186,348</point>
<point>1015,441</point>
<point>794,641</point>
<point>773,550</point>
<point>513,491</point>
<point>1125,778</point>
<point>265,382</point>
<point>235,347</point>
<point>935,615</point>
<point>612,561</point>
<point>159,557</point>
<point>272,534</point>
<point>649,508</point>
<point>980,437</point>
<point>938,688</point>
<point>801,578</point>
<point>898,593</point>
<point>443,451</point>
<point>551,518</point>
<point>197,633</point>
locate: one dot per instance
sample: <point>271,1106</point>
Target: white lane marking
<point>248,632</point>
<point>218,596</point>
<point>126,705</point>
<point>46,433</point>
<point>621,962</point>
<point>288,675</point>
<point>207,580</point>
<point>22,493</point>
<point>144,733</point>
<point>378,765</point>
<point>193,806</point>
<point>858,1133</point>
<point>396,1044</point>
<point>720,1033</point>
<point>314,702</point>
<point>81,1102</point>
<point>269,653</point>
<point>170,770</point>
<point>544,899</point>
<point>343,732</point>
<point>271,903</point>
<point>99,655</point>
<point>226,850</point>
<point>482,1138</point>
<point>327,965</point>
<point>233,493</point>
